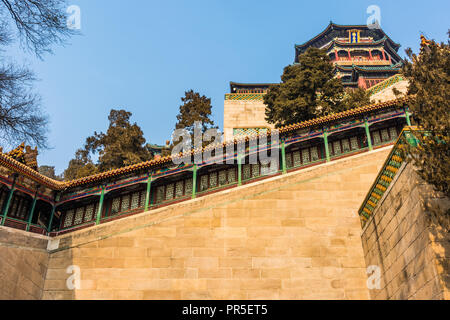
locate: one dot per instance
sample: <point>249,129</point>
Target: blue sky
<point>142,55</point>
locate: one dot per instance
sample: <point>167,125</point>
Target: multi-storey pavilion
<point>362,57</point>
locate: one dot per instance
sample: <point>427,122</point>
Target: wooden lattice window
<point>314,154</point>
<point>289,160</point>
<point>354,143</point>
<point>345,146</point>
<point>393,133</point>
<point>231,175</point>
<point>297,158</point>
<point>305,156</point>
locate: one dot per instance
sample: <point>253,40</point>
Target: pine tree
<point>355,98</point>
<point>307,90</point>
<point>123,144</point>
<point>195,108</point>
<point>429,90</point>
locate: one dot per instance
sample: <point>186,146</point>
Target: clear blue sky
<point>142,55</point>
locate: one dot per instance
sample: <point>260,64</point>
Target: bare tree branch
<point>21,117</point>
<point>39,23</point>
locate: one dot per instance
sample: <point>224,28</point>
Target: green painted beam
<point>49,228</point>
<point>194,182</point>
<point>283,157</point>
<point>33,206</point>
<point>8,202</point>
<point>408,116</point>
<point>100,206</point>
<point>147,195</point>
<point>327,149</point>
<point>369,139</point>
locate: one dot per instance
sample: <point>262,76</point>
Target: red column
<point>382,51</point>
<point>336,53</point>
<point>370,55</point>
<point>349,56</point>
<point>390,60</point>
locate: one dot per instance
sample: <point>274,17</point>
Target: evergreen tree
<point>307,90</point>
<point>81,166</point>
<point>429,89</point>
<point>123,144</point>
<point>355,98</point>
<point>195,108</point>
<point>49,171</point>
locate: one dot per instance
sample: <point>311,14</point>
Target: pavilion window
<point>265,169</point>
<point>127,202</point>
<point>68,219</point>
<point>89,215</point>
<point>385,135</point>
<point>3,195</point>
<point>330,148</point>
<point>297,158</point>
<point>289,162</point>
<point>232,175</point>
<point>223,177</point>
<point>135,200</point>
<point>376,137</point>
<point>170,191</point>
<point>255,170</point>
<point>246,172</point>
<point>188,187</point>
<point>314,154</point>
<point>306,156</point>
<point>354,143</point>
<point>179,189</point>
<point>20,207</point>
<point>160,191</point>
<point>79,212</point>
<point>213,180</point>
<point>203,183</point>
<point>217,179</point>
<point>79,215</point>
<point>345,145</point>
<point>115,206</point>
<point>393,133</point>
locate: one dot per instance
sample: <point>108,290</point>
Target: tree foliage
<point>38,24</point>
<point>307,90</point>
<point>429,90</point>
<point>123,144</point>
<point>49,171</point>
<point>195,108</point>
<point>355,98</point>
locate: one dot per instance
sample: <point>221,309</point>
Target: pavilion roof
<point>333,26</point>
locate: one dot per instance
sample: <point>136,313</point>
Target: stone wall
<point>295,236</point>
<point>23,264</point>
<point>243,114</point>
<point>387,94</point>
<point>412,254</point>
